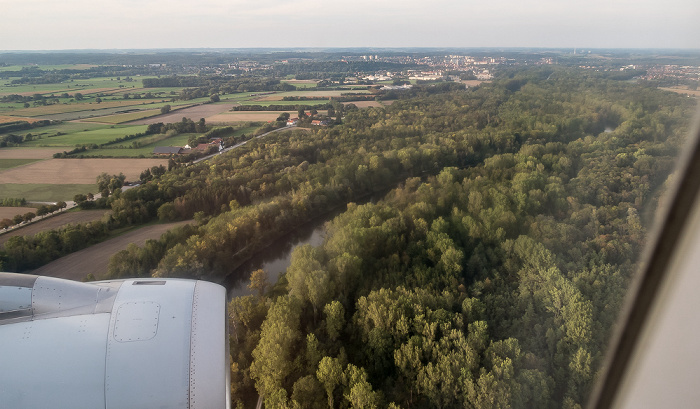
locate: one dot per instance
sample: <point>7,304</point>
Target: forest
<point>491,274</point>
<point>494,283</point>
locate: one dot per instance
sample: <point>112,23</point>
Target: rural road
<point>243,143</point>
<point>95,259</point>
<point>53,222</point>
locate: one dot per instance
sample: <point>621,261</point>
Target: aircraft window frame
<point>644,291</point>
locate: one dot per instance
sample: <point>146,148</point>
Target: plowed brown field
<point>28,153</point>
<point>10,212</point>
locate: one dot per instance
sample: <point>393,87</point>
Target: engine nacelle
<point>123,344</point>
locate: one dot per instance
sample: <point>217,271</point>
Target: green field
<point>268,103</point>
<point>90,134</point>
<point>121,118</point>
<point>71,86</point>
<point>145,151</point>
<point>66,128</point>
<point>13,163</point>
<point>45,192</point>
<point>10,106</point>
<point>88,105</point>
<point>301,85</point>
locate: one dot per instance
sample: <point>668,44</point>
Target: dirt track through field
<point>53,222</point>
<point>95,259</point>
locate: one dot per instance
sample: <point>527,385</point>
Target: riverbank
<point>276,257</point>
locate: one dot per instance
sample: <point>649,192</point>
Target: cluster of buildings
<point>679,72</point>
<point>314,122</point>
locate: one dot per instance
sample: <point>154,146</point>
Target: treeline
<point>202,86</point>
<point>13,139</point>
<point>39,75</point>
<point>41,79</point>
<point>13,202</point>
<point>343,98</point>
<point>22,253</point>
<point>277,107</point>
<point>186,125</point>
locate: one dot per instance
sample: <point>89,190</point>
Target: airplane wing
<point>135,343</point>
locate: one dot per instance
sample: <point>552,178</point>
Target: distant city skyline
<point>149,24</point>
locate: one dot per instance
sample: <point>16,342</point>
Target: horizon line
<point>321,48</point>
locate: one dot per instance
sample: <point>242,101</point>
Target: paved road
<point>242,143</point>
<point>54,222</point>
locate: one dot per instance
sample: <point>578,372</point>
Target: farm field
<point>472,83</point>
<point>683,90</point>
<point>13,163</point>
<point>239,116</point>
<point>146,150</point>
<point>365,104</point>
<point>84,86</point>
<point>253,116</point>
<point>65,128</point>
<point>122,118</point>
<point>49,67</point>
<point>194,113</point>
<point>98,135</point>
<point>326,94</point>
<point>95,259</point>
<point>4,119</point>
<point>75,107</point>
<point>10,212</point>
<point>27,153</point>
<point>94,111</point>
<point>53,222</point>
<point>45,192</point>
<point>75,171</point>
<point>302,83</point>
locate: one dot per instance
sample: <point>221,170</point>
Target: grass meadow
<point>41,192</point>
<point>88,135</point>
<point>121,118</point>
<point>13,163</point>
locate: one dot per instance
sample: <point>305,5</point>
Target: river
<point>275,258</point>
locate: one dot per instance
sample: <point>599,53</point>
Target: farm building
<point>205,146</point>
<point>167,150</point>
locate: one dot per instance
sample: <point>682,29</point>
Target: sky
<point>134,24</point>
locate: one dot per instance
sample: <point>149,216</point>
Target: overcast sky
<point>84,24</point>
